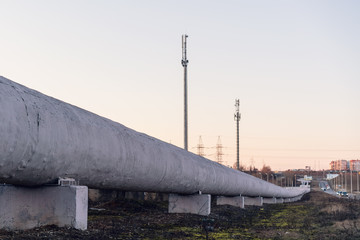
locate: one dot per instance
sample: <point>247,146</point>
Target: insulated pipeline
<point>43,139</point>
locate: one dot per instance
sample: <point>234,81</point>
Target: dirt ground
<point>317,216</point>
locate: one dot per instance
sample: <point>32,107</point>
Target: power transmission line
<point>200,147</point>
<point>219,152</point>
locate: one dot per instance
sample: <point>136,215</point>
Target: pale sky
<point>294,65</point>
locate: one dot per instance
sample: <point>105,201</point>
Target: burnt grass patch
<point>317,216</point>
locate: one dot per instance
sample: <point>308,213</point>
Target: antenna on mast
<point>184,63</point>
<point>184,60</point>
<point>237,117</point>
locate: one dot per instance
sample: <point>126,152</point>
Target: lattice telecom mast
<point>237,117</point>
<point>200,147</point>
<point>184,62</point>
<point>219,152</point>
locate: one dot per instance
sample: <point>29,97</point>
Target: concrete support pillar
<point>297,198</point>
<point>269,200</point>
<point>253,201</point>
<point>195,204</point>
<point>237,201</point>
<point>25,208</point>
<point>279,200</point>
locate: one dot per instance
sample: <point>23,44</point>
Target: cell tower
<point>237,117</point>
<point>200,148</point>
<point>219,152</point>
<point>184,63</point>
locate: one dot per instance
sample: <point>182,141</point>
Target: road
<point>325,184</point>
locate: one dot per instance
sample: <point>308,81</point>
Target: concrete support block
<point>253,201</point>
<point>237,201</point>
<point>269,200</point>
<point>297,198</point>
<point>25,208</point>
<point>195,204</point>
<point>287,200</point>
<point>279,200</point>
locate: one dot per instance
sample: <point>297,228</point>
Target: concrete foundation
<point>25,208</point>
<point>253,201</point>
<point>287,200</point>
<point>297,198</point>
<point>269,200</point>
<point>195,204</point>
<point>279,200</point>
<point>237,201</point>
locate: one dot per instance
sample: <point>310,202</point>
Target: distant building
<point>355,165</point>
<point>344,165</point>
<point>339,165</point>
<point>332,165</point>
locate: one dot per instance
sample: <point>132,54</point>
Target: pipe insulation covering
<point>43,139</point>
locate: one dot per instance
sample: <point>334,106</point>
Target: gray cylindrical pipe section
<point>43,138</point>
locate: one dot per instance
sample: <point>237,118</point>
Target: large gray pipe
<point>43,138</point>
